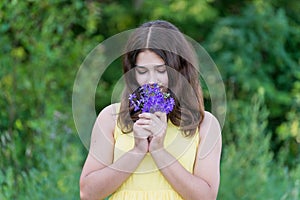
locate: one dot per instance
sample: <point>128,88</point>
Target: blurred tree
<point>42,47</point>
<point>254,43</point>
<point>251,51</point>
<point>248,170</point>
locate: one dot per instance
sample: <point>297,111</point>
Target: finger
<point>155,117</point>
<point>147,127</point>
<point>153,130</point>
<point>143,121</point>
<point>157,129</point>
<point>161,115</point>
<point>146,115</point>
<point>141,132</point>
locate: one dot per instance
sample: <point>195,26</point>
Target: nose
<point>152,77</point>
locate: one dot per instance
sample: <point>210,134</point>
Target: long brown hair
<point>164,39</point>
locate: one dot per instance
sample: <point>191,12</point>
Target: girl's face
<point>150,68</point>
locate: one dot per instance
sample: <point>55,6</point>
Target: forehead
<point>148,58</point>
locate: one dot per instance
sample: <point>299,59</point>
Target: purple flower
<point>151,98</point>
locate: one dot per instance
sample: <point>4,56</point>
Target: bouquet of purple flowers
<point>151,98</point>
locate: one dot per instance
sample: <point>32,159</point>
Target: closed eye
<point>141,72</point>
<point>141,69</point>
<point>161,68</point>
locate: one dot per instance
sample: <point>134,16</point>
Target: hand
<point>141,135</point>
<point>157,124</point>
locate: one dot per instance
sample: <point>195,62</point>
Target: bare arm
<point>100,175</point>
<point>204,182</point>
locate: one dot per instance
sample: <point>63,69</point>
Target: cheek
<point>141,79</point>
<point>164,79</point>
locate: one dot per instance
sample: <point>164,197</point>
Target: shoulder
<point>108,116</point>
<point>209,116</point>
<point>210,126</point>
<point>209,121</point>
<point>109,111</point>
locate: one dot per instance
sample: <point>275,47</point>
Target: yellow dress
<point>147,182</point>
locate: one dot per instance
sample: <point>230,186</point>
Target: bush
<point>55,162</point>
<point>254,44</point>
<point>254,50</point>
<point>251,51</point>
<point>41,49</point>
<point>247,168</point>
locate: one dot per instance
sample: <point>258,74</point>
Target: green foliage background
<point>255,45</point>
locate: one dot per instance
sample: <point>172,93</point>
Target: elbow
<point>213,194</point>
<point>82,195</point>
<point>87,192</point>
<point>83,191</point>
<point>210,194</point>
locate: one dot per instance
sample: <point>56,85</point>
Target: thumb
<point>162,116</point>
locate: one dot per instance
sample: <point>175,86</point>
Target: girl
<point>135,155</point>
